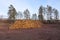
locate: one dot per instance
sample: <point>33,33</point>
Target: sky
<point>31,5</point>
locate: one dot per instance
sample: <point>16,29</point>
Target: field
<point>45,32</point>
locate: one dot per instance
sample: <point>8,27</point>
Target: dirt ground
<point>44,33</point>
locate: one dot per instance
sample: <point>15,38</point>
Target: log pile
<point>26,24</point>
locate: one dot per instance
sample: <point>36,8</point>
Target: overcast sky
<point>32,5</point>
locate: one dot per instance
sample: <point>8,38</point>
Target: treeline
<point>44,13</point>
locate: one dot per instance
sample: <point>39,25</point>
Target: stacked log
<point>26,24</point>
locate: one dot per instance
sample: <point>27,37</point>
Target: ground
<point>31,34</point>
<point>46,32</point>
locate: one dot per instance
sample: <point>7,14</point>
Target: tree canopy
<point>44,13</point>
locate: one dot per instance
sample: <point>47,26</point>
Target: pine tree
<point>56,16</point>
<point>40,16</point>
<point>12,13</point>
<point>49,10</point>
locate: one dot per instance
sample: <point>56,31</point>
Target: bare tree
<point>49,10</point>
<point>19,15</point>
<point>34,16</point>
<point>26,14</point>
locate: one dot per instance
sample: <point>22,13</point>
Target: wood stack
<point>26,24</point>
